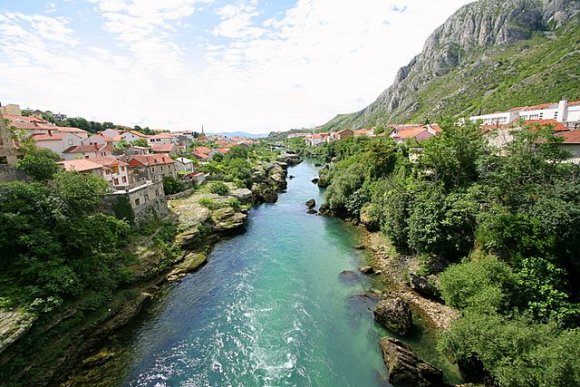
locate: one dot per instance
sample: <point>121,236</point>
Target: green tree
<point>39,163</point>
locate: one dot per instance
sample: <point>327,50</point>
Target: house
<point>76,131</point>
<point>101,138</point>
<point>87,151</point>
<point>201,153</point>
<point>164,148</point>
<point>364,132</point>
<point>57,142</point>
<point>184,165</point>
<point>133,135</point>
<point>160,138</point>
<point>82,166</point>
<point>136,150</point>
<point>295,135</point>
<point>340,135</point>
<point>563,111</point>
<point>116,172</point>
<point>316,139</point>
<point>402,133</point>
<point>137,204</point>
<point>110,133</point>
<point>571,144</point>
<point>152,167</point>
<point>196,177</point>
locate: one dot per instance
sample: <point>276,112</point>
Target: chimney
<point>96,145</point>
<point>563,111</point>
<point>50,132</point>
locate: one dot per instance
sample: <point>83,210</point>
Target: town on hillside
<point>563,117</point>
<point>133,163</point>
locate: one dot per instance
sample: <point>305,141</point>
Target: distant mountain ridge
<point>490,54</point>
<point>242,134</point>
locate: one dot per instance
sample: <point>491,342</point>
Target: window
<point>70,142</point>
<point>146,198</point>
<point>116,181</point>
<point>124,179</point>
<point>137,202</point>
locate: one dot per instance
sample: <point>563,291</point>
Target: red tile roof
<point>199,155</point>
<point>80,165</point>
<point>109,161</point>
<point>572,137</point>
<point>202,149</point>
<point>558,126</point>
<point>148,160</point>
<point>48,137</point>
<point>88,148</point>
<point>162,148</point>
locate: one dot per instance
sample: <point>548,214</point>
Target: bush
<point>485,284</point>
<point>39,163</point>
<point>219,188</point>
<point>170,185</point>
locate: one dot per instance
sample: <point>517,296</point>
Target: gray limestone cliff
<point>473,28</point>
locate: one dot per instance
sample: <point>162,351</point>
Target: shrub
<point>219,188</point>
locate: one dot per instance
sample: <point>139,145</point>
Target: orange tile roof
<point>202,149</point>
<point>572,137</point>
<point>48,137</point>
<point>80,165</point>
<point>409,132</point>
<point>109,161</point>
<point>88,148</point>
<point>147,160</point>
<point>162,148</point>
<point>558,126</point>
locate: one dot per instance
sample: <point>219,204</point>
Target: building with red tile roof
<point>164,148</point>
<point>87,151</point>
<point>153,166</point>
<point>82,166</point>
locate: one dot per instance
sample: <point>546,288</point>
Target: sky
<point>248,65</point>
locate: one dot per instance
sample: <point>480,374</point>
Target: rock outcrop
<point>311,203</point>
<point>13,325</point>
<point>405,368</point>
<point>422,286</point>
<point>395,315</point>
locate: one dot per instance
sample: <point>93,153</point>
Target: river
<point>269,308</point>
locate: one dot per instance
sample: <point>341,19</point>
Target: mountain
<point>490,55</point>
<point>242,134</point>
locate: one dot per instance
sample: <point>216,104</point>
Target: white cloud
<point>237,21</point>
<point>319,58</point>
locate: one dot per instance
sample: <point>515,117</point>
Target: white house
<point>562,111</point>
<point>57,142</point>
<point>160,138</point>
<point>133,135</point>
<point>116,172</point>
<point>87,151</point>
<point>102,139</point>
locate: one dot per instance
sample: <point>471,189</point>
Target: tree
<point>39,163</point>
<point>141,142</point>
<point>219,188</point>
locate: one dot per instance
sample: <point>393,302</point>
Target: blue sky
<point>253,65</point>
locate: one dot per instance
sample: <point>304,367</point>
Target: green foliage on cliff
<point>39,163</point>
<point>509,222</point>
<point>54,245</point>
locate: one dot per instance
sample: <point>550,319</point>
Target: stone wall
<point>138,203</point>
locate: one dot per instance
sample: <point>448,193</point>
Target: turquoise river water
<point>270,308</point>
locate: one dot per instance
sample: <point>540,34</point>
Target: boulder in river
<point>311,211</point>
<point>323,210</point>
<point>315,180</point>
<point>423,287</point>
<point>406,368</point>
<point>366,270</point>
<point>395,315</point>
<point>311,203</point>
<point>291,177</point>
<point>323,181</point>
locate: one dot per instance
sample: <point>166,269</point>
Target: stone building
<point>138,203</point>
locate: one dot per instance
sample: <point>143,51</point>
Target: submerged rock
<point>311,203</point>
<point>291,177</point>
<point>348,276</point>
<point>311,211</point>
<point>406,368</point>
<point>395,315</point>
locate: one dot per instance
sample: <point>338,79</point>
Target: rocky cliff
<point>490,42</point>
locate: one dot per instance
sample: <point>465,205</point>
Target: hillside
<point>490,55</point>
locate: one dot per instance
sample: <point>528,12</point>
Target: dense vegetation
<point>507,226</point>
<point>54,244</point>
